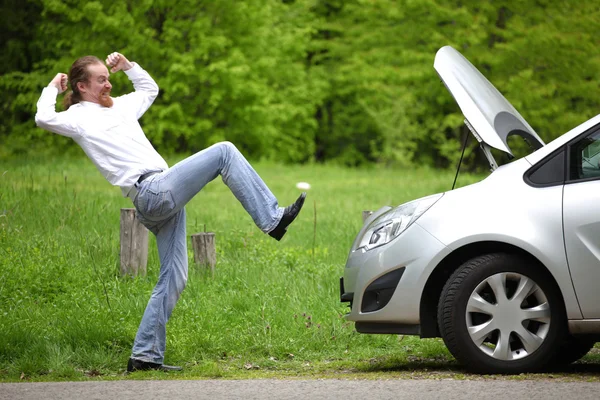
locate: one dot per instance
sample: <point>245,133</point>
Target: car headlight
<point>392,223</point>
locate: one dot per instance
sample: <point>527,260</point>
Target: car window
<point>584,158</point>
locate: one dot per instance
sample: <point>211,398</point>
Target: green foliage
<point>302,80</point>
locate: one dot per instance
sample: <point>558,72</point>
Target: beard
<point>105,100</point>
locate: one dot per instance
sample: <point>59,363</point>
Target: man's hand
<point>118,62</point>
<point>59,82</point>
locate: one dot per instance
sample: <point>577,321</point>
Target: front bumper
<point>384,285</point>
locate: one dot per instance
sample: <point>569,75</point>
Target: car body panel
<point>418,252</point>
<point>503,208</point>
<point>492,117</point>
<point>582,241</point>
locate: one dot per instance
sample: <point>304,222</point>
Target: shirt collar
<point>90,104</point>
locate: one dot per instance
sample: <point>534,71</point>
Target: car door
<point>581,220</point>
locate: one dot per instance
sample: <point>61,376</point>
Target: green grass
<point>270,310</point>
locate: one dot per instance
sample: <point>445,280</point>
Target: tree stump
<point>134,244</point>
<point>205,252</point>
<point>366,214</point>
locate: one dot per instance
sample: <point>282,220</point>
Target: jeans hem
<point>146,359</point>
<point>276,222</point>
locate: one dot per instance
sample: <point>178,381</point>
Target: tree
<point>299,80</point>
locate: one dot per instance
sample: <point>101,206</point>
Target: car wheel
<point>572,349</point>
<point>497,314</point>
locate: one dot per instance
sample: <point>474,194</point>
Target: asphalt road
<point>303,389</point>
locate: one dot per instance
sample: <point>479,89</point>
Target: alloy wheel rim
<point>508,316</point>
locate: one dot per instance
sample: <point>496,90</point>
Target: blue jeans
<point>160,206</point>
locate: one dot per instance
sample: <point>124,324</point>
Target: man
<point>108,131</point>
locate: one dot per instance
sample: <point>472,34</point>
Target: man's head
<point>89,81</point>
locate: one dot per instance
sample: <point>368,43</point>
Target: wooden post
<point>365,215</point>
<point>205,252</point>
<point>134,244</point>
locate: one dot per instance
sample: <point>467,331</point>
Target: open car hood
<point>490,117</point>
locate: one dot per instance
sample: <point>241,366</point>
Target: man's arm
<point>145,87</point>
<point>47,117</point>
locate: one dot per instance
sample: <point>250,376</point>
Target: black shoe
<point>138,365</point>
<point>289,215</point>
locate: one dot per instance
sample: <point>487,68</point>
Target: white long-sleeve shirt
<point>111,137</point>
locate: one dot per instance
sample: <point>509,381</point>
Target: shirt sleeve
<point>47,118</point>
<point>145,92</point>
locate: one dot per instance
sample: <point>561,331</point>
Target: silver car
<point>506,270</point>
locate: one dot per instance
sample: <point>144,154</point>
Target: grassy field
<point>271,308</point>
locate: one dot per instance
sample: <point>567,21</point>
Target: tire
<point>571,350</point>
<point>498,314</point>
